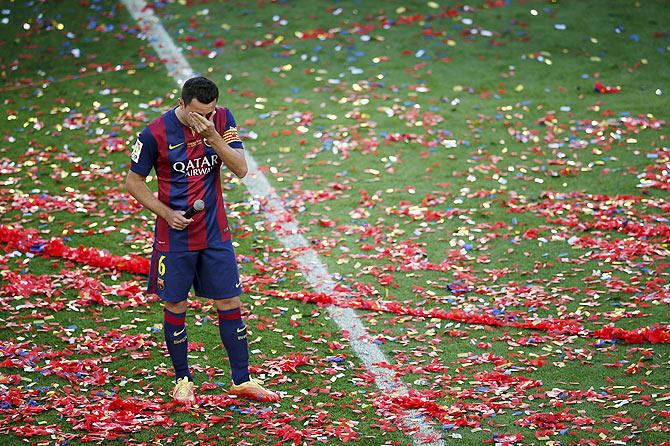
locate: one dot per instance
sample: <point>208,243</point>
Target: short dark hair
<point>199,88</point>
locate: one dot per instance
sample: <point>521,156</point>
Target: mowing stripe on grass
<point>314,270</point>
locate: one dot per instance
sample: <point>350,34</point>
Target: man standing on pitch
<point>187,146</point>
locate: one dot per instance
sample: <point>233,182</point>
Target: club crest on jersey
<point>197,166</point>
<point>161,284</point>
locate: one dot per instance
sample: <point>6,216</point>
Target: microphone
<point>198,206</point>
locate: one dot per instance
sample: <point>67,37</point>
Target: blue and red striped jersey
<point>188,169</point>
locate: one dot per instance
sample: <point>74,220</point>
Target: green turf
<point>342,172</point>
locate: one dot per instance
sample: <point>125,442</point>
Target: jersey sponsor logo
<point>239,282</point>
<point>197,166</point>
<point>137,151</point>
<point>240,330</point>
<point>178,333</point>
<point>174,146</point>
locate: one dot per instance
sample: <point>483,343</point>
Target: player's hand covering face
<point>203,125</point>
<point>199,116</point>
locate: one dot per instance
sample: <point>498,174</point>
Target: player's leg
<point>170,277</point>
<point>176,338</point>
<point>233,334</point>
<point>217,278</point>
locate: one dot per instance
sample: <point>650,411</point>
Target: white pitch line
<point>315,271</point>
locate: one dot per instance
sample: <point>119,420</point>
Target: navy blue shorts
<point>212,272</point>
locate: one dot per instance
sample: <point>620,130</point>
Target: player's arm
<point>233,158</point>
<point>142,160</point>
<point>137,187</point>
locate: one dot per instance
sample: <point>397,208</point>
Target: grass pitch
<point>449,159</point>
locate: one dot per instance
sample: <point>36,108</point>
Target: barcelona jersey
<point>188,169</point>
